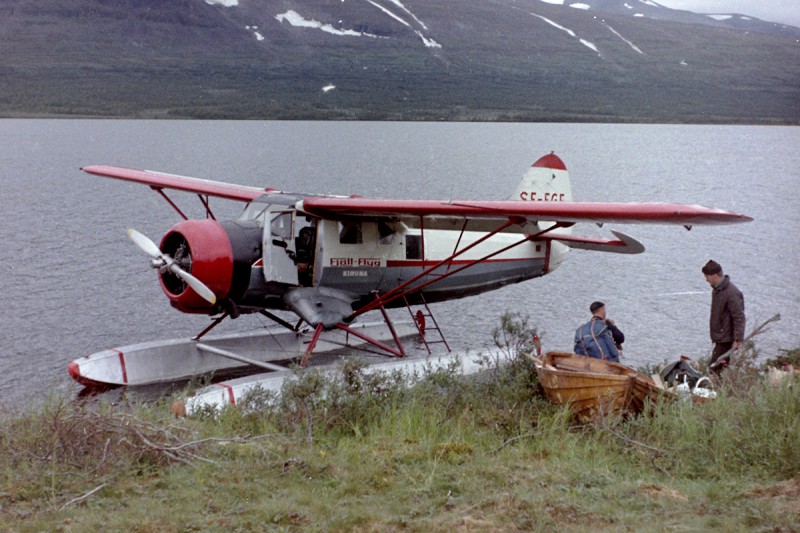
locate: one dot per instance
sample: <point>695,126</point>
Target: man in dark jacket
<point>597,338</point>
<point>727,321</point>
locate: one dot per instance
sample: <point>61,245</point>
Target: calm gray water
<point>73,283</point>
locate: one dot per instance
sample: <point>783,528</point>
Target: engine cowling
<point>202,248</point>
<point>220,254</point>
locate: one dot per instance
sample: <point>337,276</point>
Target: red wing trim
<point>455,262</point>
<point>180,183</point>
<point>600,212</point>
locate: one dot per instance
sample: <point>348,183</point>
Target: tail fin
<point>546,181</point>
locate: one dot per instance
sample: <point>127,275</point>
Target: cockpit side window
<point>281,226</point>
<point>413,247</point>
<point>350,232</point>
<point>385,233</point>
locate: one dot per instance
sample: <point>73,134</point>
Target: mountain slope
<point>600,60</point>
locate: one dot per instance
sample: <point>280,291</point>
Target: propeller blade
<point>149,247</point>
<point>145,244</point>
<point>197,286</point>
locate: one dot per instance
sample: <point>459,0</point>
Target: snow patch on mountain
<point>254,29</point>
<point>626,41</point>
<point>404,8</point>
<point>589,45</point>
<point>556,25</point>
<point>297,20</point>
<point>584,42</point>
<point>429,43</point>
<point>388,12</point>
<point>226,3</point>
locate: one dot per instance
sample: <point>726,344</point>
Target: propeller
<point>162,260</point>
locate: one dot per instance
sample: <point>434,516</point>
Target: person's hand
<point>610,321</point>
<point>737,345</point>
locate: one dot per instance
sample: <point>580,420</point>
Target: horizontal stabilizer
<point>624,244</point>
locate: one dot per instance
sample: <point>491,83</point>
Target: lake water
<point>74,284</point>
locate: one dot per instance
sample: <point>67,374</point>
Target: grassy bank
<point>366,453</point>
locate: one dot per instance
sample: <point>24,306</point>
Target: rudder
<point>546,181</point>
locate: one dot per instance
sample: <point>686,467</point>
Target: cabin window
<point>281,226</point>
<point>413,248</point>
<point>350,233</point>
<point>385,233</point>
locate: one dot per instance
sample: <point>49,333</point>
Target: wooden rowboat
<point>593,387</point>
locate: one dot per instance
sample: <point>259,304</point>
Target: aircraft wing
<point>521,211</point>
<point>160,180</point>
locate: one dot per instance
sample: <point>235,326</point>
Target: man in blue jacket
<point>596,338</point>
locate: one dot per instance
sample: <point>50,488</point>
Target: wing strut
<point>311,345</point>
<point>160,191</point>
<point>401,290</point>
<point>203,200</point>
<point>397,352</point>
<point>211,326</point>
<point>279,320</point>
<point>381,301</point>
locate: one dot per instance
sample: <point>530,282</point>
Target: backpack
<point>679,372</point>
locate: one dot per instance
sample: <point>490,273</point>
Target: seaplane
<point>326,261</point>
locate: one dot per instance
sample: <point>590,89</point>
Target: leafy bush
<point>338,403</point>
<point>352,400</point>
<point>787,358</point>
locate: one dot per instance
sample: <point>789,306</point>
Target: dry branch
<point>81,498</point>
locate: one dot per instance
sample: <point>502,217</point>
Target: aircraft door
<point>278,247</point>
<point>305,245</point>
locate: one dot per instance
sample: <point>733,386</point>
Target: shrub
<point>787,358</point>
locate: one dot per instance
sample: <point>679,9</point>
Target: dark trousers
<point>720,349</point>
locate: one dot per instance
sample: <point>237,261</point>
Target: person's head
<point>598,309</point>
<point>713,272</point>
<point>305,235</point>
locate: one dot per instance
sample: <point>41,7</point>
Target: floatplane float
<point>166,361</point>
<point>235,391</point>
<point>329,260</point>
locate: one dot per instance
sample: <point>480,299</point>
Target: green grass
<point>368,453</point>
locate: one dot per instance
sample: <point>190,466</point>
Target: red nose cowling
<point>202,248</point>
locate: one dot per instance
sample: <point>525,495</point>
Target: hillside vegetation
<point>453,60</point>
